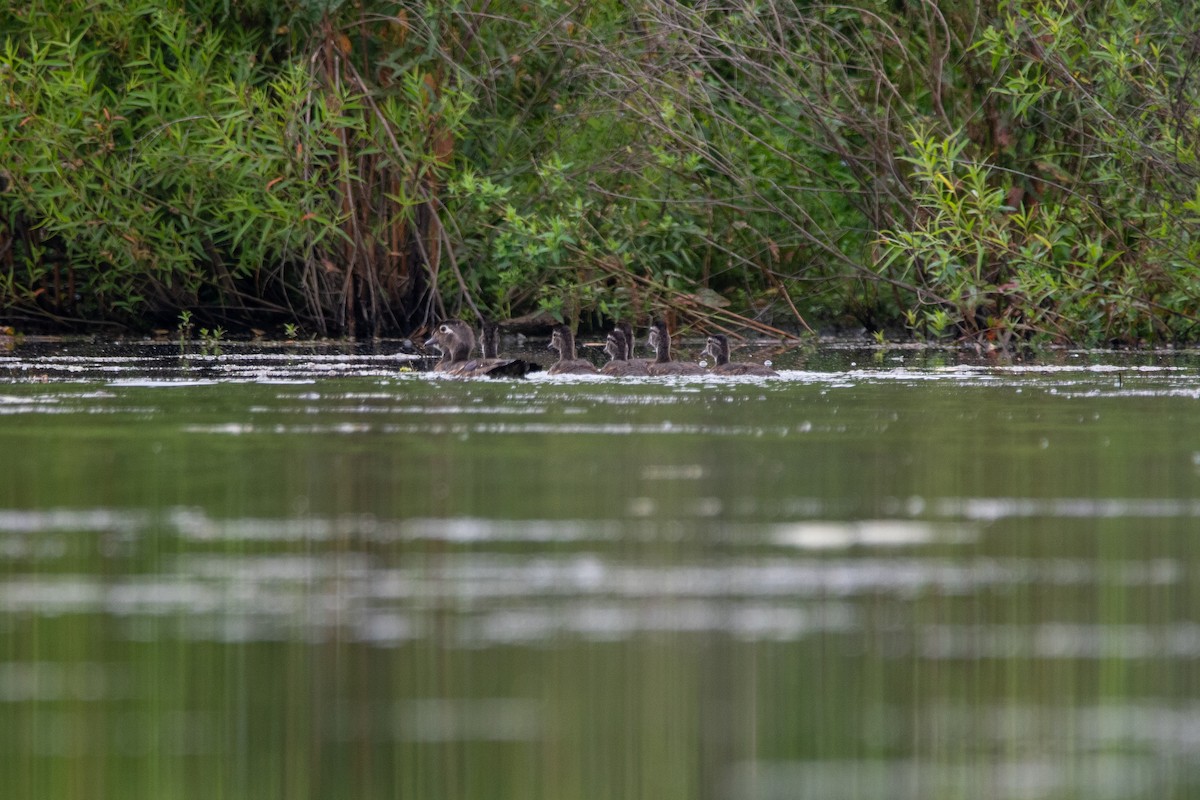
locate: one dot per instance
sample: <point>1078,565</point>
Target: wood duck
<point>660,340</point>
<point>617,348</point>
<point>455,339</point>
<point>451,340</point>
<point>489,340</point>
<point>489,345</point>
<point>627,330</point>
<point>718,347</point>
<point>563,341</point>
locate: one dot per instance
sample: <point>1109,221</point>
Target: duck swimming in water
<point>489,345</point>
<point>660,340</point>
<point>456,341</point>
<point>718,347</point>
<point>449,338</point>
<point>616,347</point>
<point>489,340</point>
<point>627,331</point>
<point>563,341</point>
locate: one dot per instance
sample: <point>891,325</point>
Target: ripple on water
<point>1003,774</point>
<point>770,587</point>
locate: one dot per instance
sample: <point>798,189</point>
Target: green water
<point>882,575</point>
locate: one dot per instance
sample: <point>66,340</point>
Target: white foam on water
<point>992,509</point>
<point>824,535</point>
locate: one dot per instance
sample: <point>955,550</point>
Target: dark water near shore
<point>300,572</point>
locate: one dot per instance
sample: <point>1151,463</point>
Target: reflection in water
<point>288,575</point>
<point>1027,776</point>
<point>478,719</point>
<point>542,594</point>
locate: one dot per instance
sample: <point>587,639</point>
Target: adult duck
<point>717,347</point>
<point>660,341</point>
<point>562,340</point>
<point>456,341</point>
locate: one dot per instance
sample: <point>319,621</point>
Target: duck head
<point>489,340</point>
<point>615,345</point>
<point>626,330</point>
<point>660,340</point>
<point>562,340</point>
<point>717,347</point>
<point>454,339</point>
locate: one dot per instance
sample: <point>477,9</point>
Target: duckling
<point>563,341</point>
<point>627,330</point>
<point>456,340</point>
<point>489,340</point>
<point>616,347</point>
<point>718,347</point>
<point>660,340</point>
<point>489,345</point>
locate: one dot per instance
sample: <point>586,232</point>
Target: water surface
<point>306,572</point>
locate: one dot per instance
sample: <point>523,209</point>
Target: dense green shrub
<point>1071,215</point>
<point>1007,171</point>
